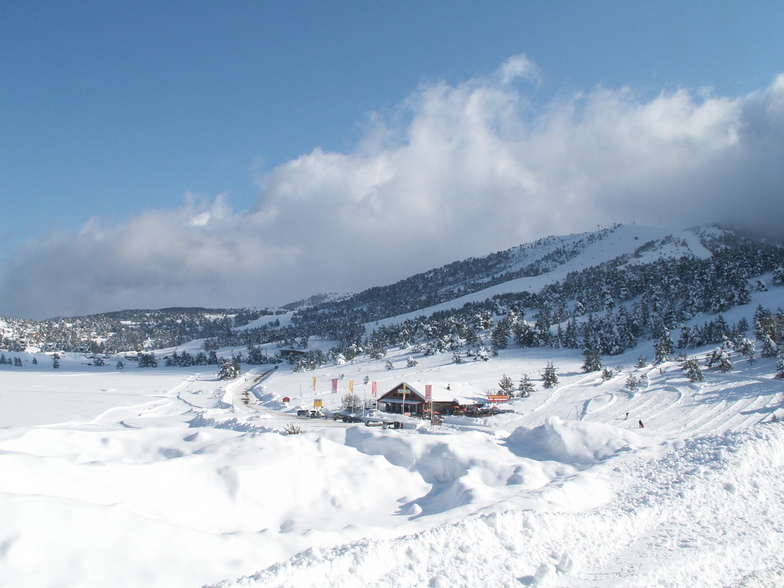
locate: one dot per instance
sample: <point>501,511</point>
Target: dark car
<point>311,413</point>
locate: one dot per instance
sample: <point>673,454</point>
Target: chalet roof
<point>462,393</point>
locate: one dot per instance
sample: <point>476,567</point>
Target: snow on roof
<point>461,392</point>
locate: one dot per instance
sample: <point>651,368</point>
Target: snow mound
<point>574,442</point>
<point>705,513</point>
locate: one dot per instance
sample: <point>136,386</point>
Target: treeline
<point>130,330</point>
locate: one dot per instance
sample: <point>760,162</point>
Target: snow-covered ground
<point>165,478</point>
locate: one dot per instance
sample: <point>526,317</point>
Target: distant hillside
<point>605,289</point>
<point>547,260</point>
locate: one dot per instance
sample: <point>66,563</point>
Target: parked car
<point>311,413</point>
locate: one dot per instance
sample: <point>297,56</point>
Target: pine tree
<point>570,335</point>
<point>662,348</point>
<point>778,276</point>
<point>769,347</point>
<point>720,359</point>
<point>506,385</point>
<point>780,364</point>
<point>526,386</point>
<point>746,348</point>
<point>549,376</point>
<point>500,335</point>
<point>147,360</point>
<point>692,368</point>
<point>228,370</point>
<point>683,340</point>
<point>593,362</point>
<point>632,383</point>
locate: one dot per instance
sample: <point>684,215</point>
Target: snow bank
<point>705,514</point>
<point>574,442</point>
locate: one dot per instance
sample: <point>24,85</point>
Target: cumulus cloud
<point>454,171</point>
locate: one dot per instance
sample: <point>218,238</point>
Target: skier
<point>626,417</point>
<point>641,425</point>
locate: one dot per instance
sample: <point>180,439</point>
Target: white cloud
<point>455,171</point>
<point>518,66</point>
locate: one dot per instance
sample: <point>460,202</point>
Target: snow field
<point>164,478</point>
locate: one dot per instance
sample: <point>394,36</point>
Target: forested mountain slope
<point>605,289</point>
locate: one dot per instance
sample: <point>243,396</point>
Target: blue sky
<point>122,120</point>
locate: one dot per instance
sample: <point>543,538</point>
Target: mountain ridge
<point>560,276</point>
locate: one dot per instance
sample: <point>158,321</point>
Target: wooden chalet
<point>406,398</point>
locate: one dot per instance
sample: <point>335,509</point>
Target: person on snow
<point>641,425</point>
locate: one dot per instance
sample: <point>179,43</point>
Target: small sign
<point>318,403</point>
<point>497,398</point>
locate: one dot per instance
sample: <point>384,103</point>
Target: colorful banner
<point>334,385</point>
<point>428,392</point>
<point>374,388</point>
<point>351,386</point>
<point>497,398</point>
<point>314,383</point>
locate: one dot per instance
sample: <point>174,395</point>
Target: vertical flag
<point>428,392</point>
<point>334,385</point>
<point>314,383</point>
<point>374,388</point>
<point>351,386</point>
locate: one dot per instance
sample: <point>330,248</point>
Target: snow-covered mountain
<point>623,260</point>
<point>169,476</point>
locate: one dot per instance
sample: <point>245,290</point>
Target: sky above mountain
<point>246,153</point>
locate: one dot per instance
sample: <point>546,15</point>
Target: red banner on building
<point>497,398</point>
